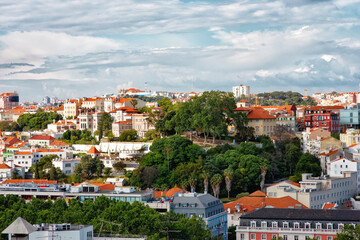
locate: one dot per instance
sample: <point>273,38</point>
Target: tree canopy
<point>140,219</point>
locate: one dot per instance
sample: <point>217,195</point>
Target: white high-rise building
<point>241,90</point>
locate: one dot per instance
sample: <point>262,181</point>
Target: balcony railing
<point>277,229</point>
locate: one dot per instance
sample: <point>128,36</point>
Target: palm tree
<point>206,176</point>
<point>133,102</point>
<point>228,174</point>
<point>192,182</point>
<point>215,184</point>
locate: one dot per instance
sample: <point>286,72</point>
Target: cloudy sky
<point>69,48</point>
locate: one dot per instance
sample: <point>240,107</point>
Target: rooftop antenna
<point>146,87</point>
<point>306,92</point>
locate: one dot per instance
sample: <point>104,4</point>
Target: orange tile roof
<point>124,122</point>
<point>35,181</point>
<point>122,100</point>
<point>23,153</point>
<point>259,114</point>
<point>48,150</point>
<point>159,194</point>
<point>4,166</point>
<point>329,206</point>
<point>61,108</point>
<point>40,137</point>
<point>93,150</point>
<point>243,100</point>
<point>58,143</point>
<point>331,151</point>
<point>174,190</point>
<point>10,139</point>
<point>104,186</point>
<point>17,145</point>
<point>258,193</point>
<point>353,145</point>
<point>249,204</point>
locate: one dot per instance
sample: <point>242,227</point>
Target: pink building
<point>9,100</point>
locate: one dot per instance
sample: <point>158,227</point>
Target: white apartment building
<point>89,121</point>
<point>336,168</point>
<point>66,165</point>
<point>27,158</point>
<point>313,192</point>
<point>310,139</point>
<point>61,126</point>
<point>241,90</point>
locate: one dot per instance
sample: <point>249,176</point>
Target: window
<point>318,225</point>
<point>285,237</point>
<point>329,226</point>
<point>274,224</point>
<point>296,225</point>
<point>263,236</point>
<point>329,238</point>
<point>318,237</point>
<point>340,226</point>
<point>253,224</point>
<point>253,236</point>
<point>274,236</point>
<point>89,236</point>
<point>264,224</point>
<point>296,237</point>
<point>307,225</point>
<point>242,236</point>
<point>285,225</point>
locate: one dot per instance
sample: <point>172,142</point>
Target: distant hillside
<point>280,98</point>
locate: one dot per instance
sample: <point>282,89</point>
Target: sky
<point>77,48</point>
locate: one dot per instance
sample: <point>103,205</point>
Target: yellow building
<point>259,119</point>
<point>352,136</point>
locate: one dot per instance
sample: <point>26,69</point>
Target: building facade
<point>241,90</point>
<point>204,206</point>
<point>294,224</point>
<point>9,100</point>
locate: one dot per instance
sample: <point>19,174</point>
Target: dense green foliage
<point>44,169</point>
<point>349,232</point>
<point>87,168</point>
<point>8,126</point>
<point>77,136</point>
<point>139,219</point>
<point>128,135</point>
<point>104,125</point>
<point>279,98</point>
<point>36,121</point>
<point>176,160</point>
<point>208,115</point>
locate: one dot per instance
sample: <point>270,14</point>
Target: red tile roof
<point>329,206</point>
<point>259,114</point>
<point>258,194</point>
<point>48,150</point>
<point>58,143</point>
<point>122,100</point>
<point>93,150</point>
<point>4,166</point>
<point>249,204</point>
<point>353,145</point>
<point>23,153</point>
<point>243,100</point>
<point>40,137</point>
<point>174,190</point>
<point>17,145</point>
<point>159,194</point>
<point>331,151</point>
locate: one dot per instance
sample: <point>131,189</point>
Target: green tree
<point>128,135</point>
<point>133,102</point>
<point>349,232</point>
<point>206,178</point>
<point>89,167</point>
<point>119,166</point>
<point>192,182</point>
<point>104,125</point>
